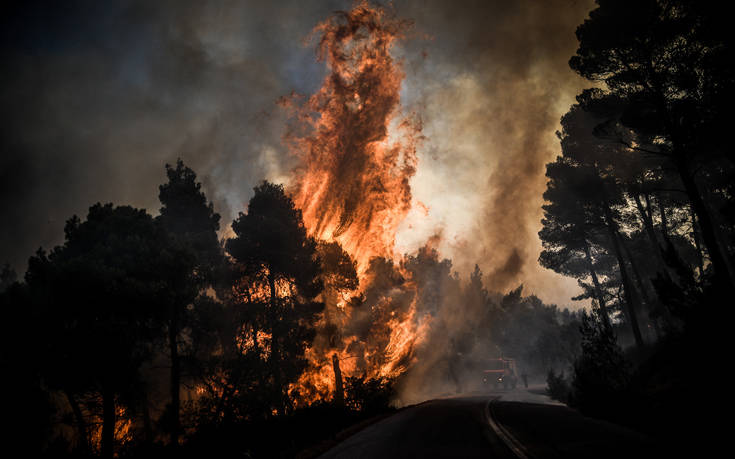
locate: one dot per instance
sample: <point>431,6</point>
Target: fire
<point>123,429</point>
<point>358,154</point>
<point>353,186</point>
<point>260,341</point>
<point>404,335</point>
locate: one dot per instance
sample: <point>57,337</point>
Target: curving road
<point>494,425</point>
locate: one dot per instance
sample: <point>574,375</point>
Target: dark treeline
<point>640,209</point>
<point>144,335</point>
<point>142,331</point>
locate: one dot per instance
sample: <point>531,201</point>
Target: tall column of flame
<point>357,155</point>
<point>353,186</point>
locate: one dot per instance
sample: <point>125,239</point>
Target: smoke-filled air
<point>421,228</point>
<point>356,146</point>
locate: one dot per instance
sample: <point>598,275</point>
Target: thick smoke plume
<point>490,92</point>
<point>102,94</point>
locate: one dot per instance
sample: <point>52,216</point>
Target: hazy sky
<point>98,96</point>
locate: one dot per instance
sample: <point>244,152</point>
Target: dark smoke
<point>491,93</point>
<point>97,96</point>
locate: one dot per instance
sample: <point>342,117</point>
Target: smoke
<point>412,319</point>
<point>99,96</point>
<point>491,89</point>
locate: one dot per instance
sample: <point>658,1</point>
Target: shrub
<point>601,373</point>
<point>557,386</point>
<point>369,395</point>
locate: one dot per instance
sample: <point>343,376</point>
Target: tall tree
<point>29,401</point>
<point>571,231</point>
<point>339,275</point>
<point>281,262</point>
<point>100,293</point>
<point>669,62</point>
<point>192,226</point>
<point>589,177</point>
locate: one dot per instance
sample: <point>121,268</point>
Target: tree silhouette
<point>668,62</point>
<point>29,400</point>
<point>601,372</point>
<point>631,196</point>
<point>571,231</point>
<point>281,263</point>
<point>192,225</point>
<point>100,293</point>
<point>8,276</point>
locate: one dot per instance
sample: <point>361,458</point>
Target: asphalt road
<point>491,426</point>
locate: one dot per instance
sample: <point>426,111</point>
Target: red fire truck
<point>500,371</point>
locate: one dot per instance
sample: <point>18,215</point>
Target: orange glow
<point>353,186</point>
<point>358,154</point>
<point>123,429</point>
<point>261,343</point>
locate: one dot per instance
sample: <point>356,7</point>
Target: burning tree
<point>192,225</point>
<point>358,153</point>
<point>282,279</point>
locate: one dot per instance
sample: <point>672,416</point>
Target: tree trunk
<point>108,423</point>
<point>664,269</point>
<point>641,285</point>
<point>254,328</point>
<point>645,213</point>
<point>651,233</point>
<point>81,423</point>
<point>722,275</point>
<point>175,379</point>
<point>275,351</point>
<point>664,223</point>
<point>147,423</point>
<point>627,287</point>
<point>339,392</point>
<point>598,291</point>
<point>695,236</point>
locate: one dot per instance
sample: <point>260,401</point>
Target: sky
<point>97,97</point>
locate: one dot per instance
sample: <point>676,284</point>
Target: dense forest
<point>147,334</point>
<point>141,334</point>
<point>640,209</point>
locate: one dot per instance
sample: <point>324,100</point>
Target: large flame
<point>358,154</point>
<point>353,186</point>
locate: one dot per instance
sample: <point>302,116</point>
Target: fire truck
<point>500,371</point>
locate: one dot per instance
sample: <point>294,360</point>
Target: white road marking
<point>510,441</point>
